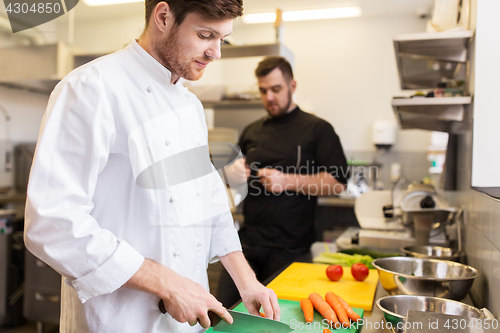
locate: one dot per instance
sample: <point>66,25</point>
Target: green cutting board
<point>292,315</point>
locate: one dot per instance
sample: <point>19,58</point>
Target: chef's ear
<point>293,85</point>
<point>163,16</point>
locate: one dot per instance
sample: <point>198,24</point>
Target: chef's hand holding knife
<point>184,299</point>
<point>187,301</point>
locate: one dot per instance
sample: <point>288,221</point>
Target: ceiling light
<point>93,3</point>
<point>303,15</point>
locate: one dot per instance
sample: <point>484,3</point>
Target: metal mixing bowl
<point>433,252</point>
<point>396,307</point>
<point>425,277</point>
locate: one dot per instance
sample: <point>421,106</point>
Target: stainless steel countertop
<point>375,318</point>
<point>336,201</point>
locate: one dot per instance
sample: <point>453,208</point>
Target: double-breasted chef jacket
<point>120,174</point>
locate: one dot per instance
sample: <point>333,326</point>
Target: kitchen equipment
<point>251,323</point>
<point>23,157</point>
<point>292,315</point>
<point>381,220</point>
<point>384,133</point>
<point>420,209</point>
<point>433,252</point>
<point>298,280</point>
<point>425,277</point>
<point>395,308</point>
<point>5,230</point>
<point>42,292</point>
<point>423,322</point>
<point>244,322</point>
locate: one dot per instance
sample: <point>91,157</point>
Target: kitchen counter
<point>336,201</point>
<point>15,200</point>
<point>373,320</point>
<point>12,196</point>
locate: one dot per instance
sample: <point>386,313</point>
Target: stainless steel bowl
<point>396,307</point>
<point>433,252</point>
<point>425,277</point>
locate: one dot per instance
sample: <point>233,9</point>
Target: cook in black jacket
<point>291,158</point>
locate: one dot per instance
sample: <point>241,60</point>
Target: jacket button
<point>176,253</point>
<point>199,244</point>
<point>198,193</point>
<point>149,89</point>
<point>167,142</point>
<point>172,199</point>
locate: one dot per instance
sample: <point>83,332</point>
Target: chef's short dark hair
<point>267,65</point>
<point>213,9</point>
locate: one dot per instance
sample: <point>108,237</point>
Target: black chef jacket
<point>297,142</point>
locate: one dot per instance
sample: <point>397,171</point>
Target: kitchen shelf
<point>443,114</point>
<point>257,50</point>
<point>425,59</point>
<point>234,104</point>
<point>38,68</point>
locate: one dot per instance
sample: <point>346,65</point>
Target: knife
<point>242,323</point>
<point>247,323</point>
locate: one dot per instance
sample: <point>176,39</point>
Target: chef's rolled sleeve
<point>111,275</point>
<point>225,237</point>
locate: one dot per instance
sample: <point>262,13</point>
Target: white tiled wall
<point>481,232</point>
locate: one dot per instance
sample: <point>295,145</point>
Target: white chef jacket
<point>87,215</point>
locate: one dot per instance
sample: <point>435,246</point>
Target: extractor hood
<point>38,67</point>
<point>425,59</point>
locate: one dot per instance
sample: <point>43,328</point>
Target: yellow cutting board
<point>299,279</point>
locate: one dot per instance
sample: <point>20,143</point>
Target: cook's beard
<point>170,54</point>
<point>282,111</point>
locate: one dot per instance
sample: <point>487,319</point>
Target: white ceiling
<point>369,7</point>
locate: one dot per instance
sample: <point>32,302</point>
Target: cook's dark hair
<point>267,65</point>
<point>213,9</point>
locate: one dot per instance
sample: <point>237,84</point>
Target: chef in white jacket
<point>122,199</point>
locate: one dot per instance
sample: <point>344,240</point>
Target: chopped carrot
<point>307,309</point>
<point>323,308</point>
<point>350,312</point>
<point>341,313</point>
<point>326,330</point>
<point>263,314</point>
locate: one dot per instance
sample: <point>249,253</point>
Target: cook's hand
<point>273,180</point>
<point>253,294</point>
<point>237,172</point>
<point>188,301</point>
<point>256,296</point>
<point>184,299</point>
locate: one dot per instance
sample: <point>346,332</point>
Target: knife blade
<point>247,323</point>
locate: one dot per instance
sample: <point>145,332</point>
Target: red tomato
<point>359,271</point>
<point>334,272</point>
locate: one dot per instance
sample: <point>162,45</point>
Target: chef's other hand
<point>237,172</point>
<point>273,180</point>
<point>256,296</point>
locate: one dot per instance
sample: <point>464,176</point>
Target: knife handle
<point>214,319</point>
<point>161,306</point>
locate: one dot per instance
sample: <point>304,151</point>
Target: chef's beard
<point>284,110</point>
<point>171,56</point>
